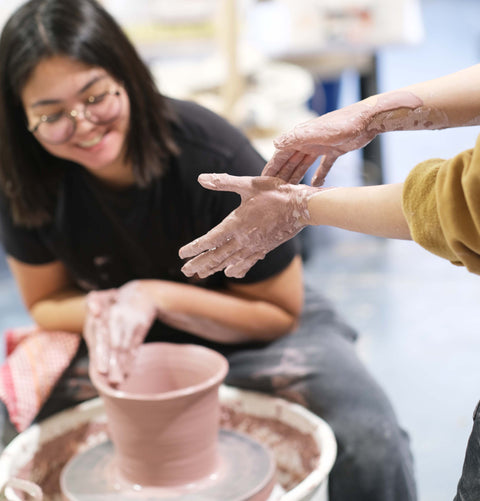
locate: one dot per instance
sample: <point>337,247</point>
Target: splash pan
<point>246,470</point>
<point>302,444</point>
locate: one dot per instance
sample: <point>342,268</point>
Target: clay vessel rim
<point>206,384</point>
<point>165,395</point>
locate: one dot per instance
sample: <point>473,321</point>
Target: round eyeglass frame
<point>73,114</point>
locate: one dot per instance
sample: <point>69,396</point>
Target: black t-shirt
<point>108,237</point>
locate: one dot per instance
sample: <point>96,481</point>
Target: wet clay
<point>335,129</point>
<point>48,462</point>
<point>272,211</point>
<point>163,419</point>
<point>347,129</point>
<point>296,454</point>
<point>402,110</point>
<point>116,324</point>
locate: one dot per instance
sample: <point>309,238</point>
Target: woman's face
<point>59,85</point>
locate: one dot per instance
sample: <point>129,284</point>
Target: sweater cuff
<point>419,206</point>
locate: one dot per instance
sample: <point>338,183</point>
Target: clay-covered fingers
<point>289,165</point>
<point>96,328</point>
<point>118,343</point>
<point>324,168</point>
<point>276,164</point>
<point>235,261</point>
<point>123,352</point>
<point>212,259</point>
<point>226,182</point>
<point>115,373</point>
<point>302,168</point>
<point>95,335</point>
<point>130,319</point>
<point>301,134</point>
<point>102,347</point>
<point>240,269</point>
<point>217,237</point>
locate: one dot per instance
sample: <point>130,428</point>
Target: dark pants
<point>315,366</point>
<point>469,484</point>
<point>318,367</point>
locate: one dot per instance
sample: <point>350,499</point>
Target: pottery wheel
<point>247,469</point>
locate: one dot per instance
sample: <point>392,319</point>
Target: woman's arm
<point>115,321</point>
<point>49,295</point>
<point>273,211</point>
<point>373,210</point>
<point>245,312</point>
<point>118,319</point>
<point>449,101</point>
<point>260,311</point>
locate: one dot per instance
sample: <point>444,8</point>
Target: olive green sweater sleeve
<point>441,202</point>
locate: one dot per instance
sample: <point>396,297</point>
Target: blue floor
<point>417,315</point>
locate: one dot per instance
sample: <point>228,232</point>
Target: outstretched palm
<point>271,212</point>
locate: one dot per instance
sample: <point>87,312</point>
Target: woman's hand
<point>271,212</point>
<point>116,324</point>
<point>330,135</point>
<point>347,129</point>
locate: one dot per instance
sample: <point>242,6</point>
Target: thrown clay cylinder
<point>163,420</point>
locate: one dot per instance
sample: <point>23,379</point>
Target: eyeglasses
<point>99,108</point>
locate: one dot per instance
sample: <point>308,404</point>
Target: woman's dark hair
<point>81,30</point>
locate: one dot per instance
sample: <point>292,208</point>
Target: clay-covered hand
<point>347,129</point>
<point>271,212</point>
<point>330,135</point>
<point>116,324</point>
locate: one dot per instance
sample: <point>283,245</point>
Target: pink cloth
<point>35,360</point>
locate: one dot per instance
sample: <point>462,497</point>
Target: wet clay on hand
<point>344,130</point>
<point>271,212</point>
<point>116,324</point>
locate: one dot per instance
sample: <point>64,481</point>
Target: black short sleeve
<point>108,237</point>
<point>22,243</point>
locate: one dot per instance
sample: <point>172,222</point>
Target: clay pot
<point>164,419</point>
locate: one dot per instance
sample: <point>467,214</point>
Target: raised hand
<point>116,324</point>
<point>271,212</point>
<point>330,135</point>
<point>337,133</point>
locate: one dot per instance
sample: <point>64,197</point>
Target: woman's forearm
<point>374,210</point>
<point>63,311</point>
<point>218,315</point>
<point>449,101</point>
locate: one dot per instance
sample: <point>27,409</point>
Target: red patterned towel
<point>35,360</point>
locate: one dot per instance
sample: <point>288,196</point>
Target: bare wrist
<point>305,195</point>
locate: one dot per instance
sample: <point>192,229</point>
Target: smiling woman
<point>81,114</point>
<point>49,62</point>
<point>98,191</point>
<point>57,125</point>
